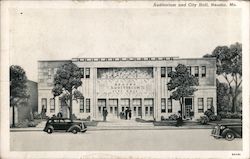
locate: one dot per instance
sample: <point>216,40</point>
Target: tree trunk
<point>182,107</point>
<point>234,104</point>
<point>70,106</point>
<point>13,116</point>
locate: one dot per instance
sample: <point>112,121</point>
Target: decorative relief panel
<point>125,83</point>
<point>125,88</point>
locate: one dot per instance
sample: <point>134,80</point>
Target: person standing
<point>179,119</point>
<point>126,113</point>
<point>129,113</point>
<point>105,113</point>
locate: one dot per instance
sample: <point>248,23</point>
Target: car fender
<point>225,131</point>
<point>73,127</point>
<point>47,127</point>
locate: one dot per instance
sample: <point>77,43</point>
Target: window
<point>82,72</point>
<point>87,105</point>
<point>189,70</point>
<point>52,105</point>
<point>125,102</point>
<point>55,70</point>
<point>209,103</point>
<point>81,105</point>
<point>49,73</point>
<point>163,105</point>
<point>170,105</point>
<point>163,71</point>
<point>196,71</point>
<point>169,69</point>
<point>203,71</point>
<point>44,104</point>
<point>87,72</point>
<point>149,103</point>
<point>200,105</point>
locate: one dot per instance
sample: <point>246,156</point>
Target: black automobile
<point>228,131</point>
<point>64,124</point>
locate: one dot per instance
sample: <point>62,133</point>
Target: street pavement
<point>121,140</point>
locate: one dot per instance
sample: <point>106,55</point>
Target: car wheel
<point>49,130</point>
<point>84,131</point>
<point>74,131</point>
<point>229,136</point>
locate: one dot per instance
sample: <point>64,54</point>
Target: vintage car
<point>64,124</point>
<point>228,131</point>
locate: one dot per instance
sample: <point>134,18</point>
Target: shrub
<point>74,117</point>
<point>222,114</point>
<point>37,116</point>
<point>228,115</point>
<point>212,117</point>
<point>208,113</point>
<point>162,118</point>
<point>204,120</point>
<point>140,120</point>
<point>23,124</point>
<point>88,118</point>
<point>236,116</point>
<point>31,124</point>
<point>173,117</point>
<point>218,118</point>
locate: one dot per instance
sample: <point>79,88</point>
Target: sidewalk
<point>101,128</point>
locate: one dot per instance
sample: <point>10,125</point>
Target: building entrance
<point>113,108</point>
<point>137,108</point>
<point>101,104</point>
<point>188,107</point>
<point>149,107</point>
<point>125,104</point>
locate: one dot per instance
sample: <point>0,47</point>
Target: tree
<point>222,96</point>
<point>182,84</point>
<point>229,66</point>
<point>18,88</point>
<point>66,81</point>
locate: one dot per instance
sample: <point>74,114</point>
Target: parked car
<point>228,131</point>
<point>64,124</point>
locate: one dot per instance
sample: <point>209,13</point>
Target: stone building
<point>139,83</point>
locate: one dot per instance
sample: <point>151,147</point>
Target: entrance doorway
<point>149,107</point>
<point>113,107</point>
<point>125,103</point>
<point>101,104</point>
<point>188,108</point>
<point>137,108</point>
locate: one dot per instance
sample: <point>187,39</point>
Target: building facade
<point>137,83</point>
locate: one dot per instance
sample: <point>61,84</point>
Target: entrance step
<point>124,123</point>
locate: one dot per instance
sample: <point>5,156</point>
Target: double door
<point>111,105</point>
<point>137,108</point>
<point>101,105</point>
<point>188,108</point>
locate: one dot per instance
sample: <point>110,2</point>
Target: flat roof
<point>98,59</point>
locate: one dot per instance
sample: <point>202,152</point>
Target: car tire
<point>84,131</point>
<point>49,130</point>
<point>230,136</point>
<point>75,131</point>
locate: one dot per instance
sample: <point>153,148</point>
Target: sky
<point>63,34</point>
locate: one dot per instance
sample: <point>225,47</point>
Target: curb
<point>121,128</point>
